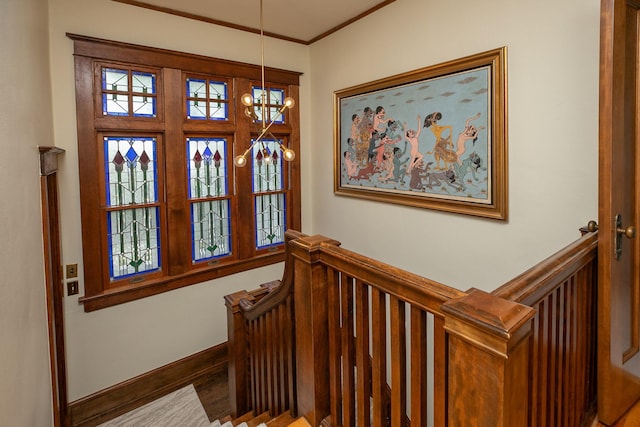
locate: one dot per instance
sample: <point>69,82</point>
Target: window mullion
<point>244,214</point>
<point>177,247</point>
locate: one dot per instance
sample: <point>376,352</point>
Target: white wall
<point>25,123</point>
<point>552,118</point>
<point>115,344</point>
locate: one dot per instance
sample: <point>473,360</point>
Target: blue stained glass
<point>274,100</point>
<point>207,99</point>
<point>143,82</point>
<point>208,183</point>
<point>217,91</point>
<point>270,219</point>
<point>115,104</point>
<point>207,167</point>
<point>132,155</point>
<point>134,242</point>
<point>113,79</point>
<point>144,106</point>
<point>130,169</point>
<point>218,111</point>
<point>142,93</point>
<point>276,96</point>
<point>196,88</point>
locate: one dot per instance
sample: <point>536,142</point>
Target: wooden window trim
<point>173,66</point>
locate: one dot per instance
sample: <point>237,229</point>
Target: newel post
<point>488,375</point>
<point>311,328</point>
<point>238,354</point>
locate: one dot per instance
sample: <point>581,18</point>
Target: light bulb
<point>247,100</point>
<point>289,102</point>
<point>240,161</point>
<point>288,154</point>
<point>266,155</point>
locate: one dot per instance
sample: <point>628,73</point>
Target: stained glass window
<point>268,189</point>
<point>208,191</point>
<point>207,99</point>
<point>131,200</point>
<point>163,205</point>
<point>274,100</point>
<point>128,93</point>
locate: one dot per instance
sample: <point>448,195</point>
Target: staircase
<point>262,420</point>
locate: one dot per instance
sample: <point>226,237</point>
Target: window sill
<point>120,295</point>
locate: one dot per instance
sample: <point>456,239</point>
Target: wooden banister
<point>261,344</point>
<point>563,291</point>
<point>348,340</point>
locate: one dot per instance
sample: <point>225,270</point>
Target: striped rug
<point>182,408</point>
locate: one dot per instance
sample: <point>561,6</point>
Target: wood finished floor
<point>213,391</point>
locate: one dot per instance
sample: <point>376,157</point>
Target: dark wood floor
<point>213,391</point>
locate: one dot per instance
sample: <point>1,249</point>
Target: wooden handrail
<point>539,280</point>
<point>253,309</point>
<point>412,288</point>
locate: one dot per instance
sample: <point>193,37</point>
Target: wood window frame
<point>172,128</point>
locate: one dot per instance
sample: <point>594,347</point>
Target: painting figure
<point>470,132</point>
<point>352,165</point>
<point>443,149</point>
<point>412,137</point>
<point>394,165</point>
<point>379,120</point>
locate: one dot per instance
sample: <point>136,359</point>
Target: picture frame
<point>433,138</point>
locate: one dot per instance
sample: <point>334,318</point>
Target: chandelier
<point>250,110</point>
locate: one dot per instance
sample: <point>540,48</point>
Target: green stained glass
<point>267,175</point>
<point>134,245</point>
<point>210,209</point>
<point>270,219</point>
<point>211,234</point>
<point>131,189</point>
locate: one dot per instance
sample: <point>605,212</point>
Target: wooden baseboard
<point>121,398</point>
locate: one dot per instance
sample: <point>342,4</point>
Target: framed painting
<point>433,138</point>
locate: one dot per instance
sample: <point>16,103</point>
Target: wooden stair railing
<point>353,313</point>
<point>376,345</point>
<point>261,344</point>
<point>563,291</point>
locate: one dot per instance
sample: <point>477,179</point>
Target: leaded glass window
<point>207,99</point>
<point>274,100</point>
<point>132,205</point>
<point>208,193</point>
<point>128,93</point>
<point>162,204</point>
<point>268,189</point>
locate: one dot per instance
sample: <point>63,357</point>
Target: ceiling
<point>301,21</point>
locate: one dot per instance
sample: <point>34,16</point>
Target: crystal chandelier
<point>250,106</point>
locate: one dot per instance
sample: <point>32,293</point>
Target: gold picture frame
<point>432,138</point>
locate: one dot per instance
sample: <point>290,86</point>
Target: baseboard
<point>121,398</point>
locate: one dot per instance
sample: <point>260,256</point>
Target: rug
<point>182,408</point>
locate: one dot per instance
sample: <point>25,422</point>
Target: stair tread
<point>300,422</point>
<point>262,418</point>
<point>281,420</point>
<point>249,420</point>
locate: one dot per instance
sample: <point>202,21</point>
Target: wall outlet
<point>72,271</point>
<point>72,288</point>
